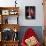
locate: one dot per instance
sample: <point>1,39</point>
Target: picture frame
<point>30,12</point>
<point>5,12</point>
<point>13,12</point>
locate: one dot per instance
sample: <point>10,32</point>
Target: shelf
<point>10,26</point>
<point>7,23</point>
<point>6,12</point>
<point>11,41</point>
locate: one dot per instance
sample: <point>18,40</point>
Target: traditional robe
<point>30,34</point>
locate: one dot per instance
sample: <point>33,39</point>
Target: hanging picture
<point>30,12</point>
<point>5,12</point>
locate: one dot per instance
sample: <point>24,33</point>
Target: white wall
<point>39,13</point>
<point>22,3</point>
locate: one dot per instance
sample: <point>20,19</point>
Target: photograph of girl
<point>30,12</point>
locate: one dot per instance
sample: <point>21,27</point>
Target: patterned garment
<point>30,38</point>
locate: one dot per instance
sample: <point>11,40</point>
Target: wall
<point>39,13</point>
<point>22,3</point>
<point>44,12</point>
<point>45,22</point>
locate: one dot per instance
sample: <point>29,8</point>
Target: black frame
<point>30,10</point>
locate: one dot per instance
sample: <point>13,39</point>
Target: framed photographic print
<point>13,12</point>
<point>5,12</point>
<point>30,12</point>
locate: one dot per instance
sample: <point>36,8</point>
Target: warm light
<point>12,10</point>
<point>15,30</point>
